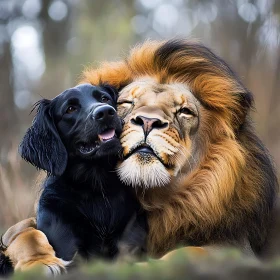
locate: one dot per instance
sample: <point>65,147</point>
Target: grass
<point>225,264</point>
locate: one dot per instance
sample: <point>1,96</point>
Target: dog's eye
<point>104,99</point>
<point>71,109</point>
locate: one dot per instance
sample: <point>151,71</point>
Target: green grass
<point>225,264</point>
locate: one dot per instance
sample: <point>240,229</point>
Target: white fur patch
<point>56,269</point>
<point>53,270</point>
<point>143,171</point>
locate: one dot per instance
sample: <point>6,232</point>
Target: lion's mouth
<point>145,150</point>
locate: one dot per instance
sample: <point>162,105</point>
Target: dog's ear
<point>41,145</point>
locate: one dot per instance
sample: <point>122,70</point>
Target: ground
<point>226,264</point>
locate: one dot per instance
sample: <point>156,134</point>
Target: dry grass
<point>17,191</point>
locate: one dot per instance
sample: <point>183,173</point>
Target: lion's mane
<point>229,196</point>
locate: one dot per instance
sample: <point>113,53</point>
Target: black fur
<point>41,145</point>
<point>84,207</point>
<point>6,266</point>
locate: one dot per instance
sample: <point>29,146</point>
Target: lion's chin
<point>143,170</point>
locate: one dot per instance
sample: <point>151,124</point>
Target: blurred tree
<point>56,28</point>
<point>274,104</point>
<point>8,116</point>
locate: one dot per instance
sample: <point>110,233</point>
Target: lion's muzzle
<point>148,124</point>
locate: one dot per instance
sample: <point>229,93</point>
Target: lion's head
<point>160,131</point>
<point>189,145</point>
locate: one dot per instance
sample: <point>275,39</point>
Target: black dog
<point>84,207</point>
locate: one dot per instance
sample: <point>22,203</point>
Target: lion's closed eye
<point>124,107</point>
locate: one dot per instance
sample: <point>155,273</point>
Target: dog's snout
<point>104,112</point>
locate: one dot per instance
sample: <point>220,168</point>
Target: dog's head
<point>81,122</point>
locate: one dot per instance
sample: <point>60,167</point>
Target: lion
<point>190,150</point>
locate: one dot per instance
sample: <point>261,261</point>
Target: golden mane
<point>228,197</point>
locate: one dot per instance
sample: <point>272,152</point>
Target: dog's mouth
<point>87,148</point>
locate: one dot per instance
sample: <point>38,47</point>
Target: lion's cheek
<point>130,141</point>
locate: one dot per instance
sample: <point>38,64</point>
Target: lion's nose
<point>148,124</point>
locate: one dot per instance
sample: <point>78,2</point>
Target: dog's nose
<point>103,113</point>
<point>148,124</point>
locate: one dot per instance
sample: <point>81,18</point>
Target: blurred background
<point>45,44</point>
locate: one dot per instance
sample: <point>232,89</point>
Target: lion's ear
<point>246,101</point>
<point>238,108</point>
<point>41,145</point>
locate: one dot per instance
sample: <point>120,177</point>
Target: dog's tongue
<point>106,135</point>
